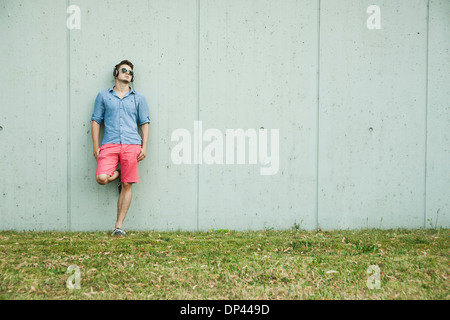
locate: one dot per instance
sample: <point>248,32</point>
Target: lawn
<point>226,264</point>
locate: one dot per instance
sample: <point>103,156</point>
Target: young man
<point>122,110</point>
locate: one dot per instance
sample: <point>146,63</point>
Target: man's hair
<point>128,63</point>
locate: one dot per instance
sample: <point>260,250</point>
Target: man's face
<point>124,73</point>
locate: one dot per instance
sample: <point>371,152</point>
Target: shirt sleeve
<point>143,113</point>
<point>99,110</point>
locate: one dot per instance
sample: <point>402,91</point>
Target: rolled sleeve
<point>99,110</point>
<point>143,113</point>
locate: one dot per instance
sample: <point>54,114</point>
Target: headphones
<point>116,72</point>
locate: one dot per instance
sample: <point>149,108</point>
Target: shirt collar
<point>131,90</point>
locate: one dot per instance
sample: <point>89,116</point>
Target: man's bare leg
<point>123,203</point>
<point>106,178</point>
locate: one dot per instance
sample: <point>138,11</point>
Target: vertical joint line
<point>68,163</point>
<point>317,114</point>
<point>198,110</point>
<point>426,118</point>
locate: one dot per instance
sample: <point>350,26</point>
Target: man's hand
<point>96,153</point>
<point>141,155</point>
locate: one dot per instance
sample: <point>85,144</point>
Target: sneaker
<point>118,232</point>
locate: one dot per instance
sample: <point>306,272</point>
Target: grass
<point>223,264</point>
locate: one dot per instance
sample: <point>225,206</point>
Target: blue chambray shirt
<point>121,116</point>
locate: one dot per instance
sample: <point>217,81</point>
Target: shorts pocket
<point>138,151</point>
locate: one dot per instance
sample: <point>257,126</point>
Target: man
<point>122,110</point>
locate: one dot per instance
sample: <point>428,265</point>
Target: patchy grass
<point>223,264</point>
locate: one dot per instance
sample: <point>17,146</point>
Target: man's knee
<point>102,179</point>
<point>126,185</point>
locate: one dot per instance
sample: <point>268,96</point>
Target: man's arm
<point>97,118</point>
<point>144,132</point>
<point>95,137</point>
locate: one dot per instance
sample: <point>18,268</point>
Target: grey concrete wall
<point>363,114</point>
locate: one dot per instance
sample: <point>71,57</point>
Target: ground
<point>226,264</point>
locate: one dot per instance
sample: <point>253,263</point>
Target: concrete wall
<point>363,114</point>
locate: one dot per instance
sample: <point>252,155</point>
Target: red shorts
<point>110,156</point>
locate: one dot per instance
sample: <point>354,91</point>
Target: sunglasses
<point>124,70</point>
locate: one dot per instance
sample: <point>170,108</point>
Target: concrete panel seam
<point>68,154</point>
<point>317,114</point>
<point>198,110</point>
<point>426,118</point>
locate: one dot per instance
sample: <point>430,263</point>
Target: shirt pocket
<point>130,106</point>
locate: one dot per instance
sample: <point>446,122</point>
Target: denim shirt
<point>121,116</point>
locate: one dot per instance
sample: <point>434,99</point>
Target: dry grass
<point>223,264</point>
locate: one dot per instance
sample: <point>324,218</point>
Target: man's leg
<point>130,175</point>
<point>107,162</point>
<point>123,203</point>
<point>106,178</point>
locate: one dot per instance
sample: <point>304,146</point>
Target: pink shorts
<point>110,156</point>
